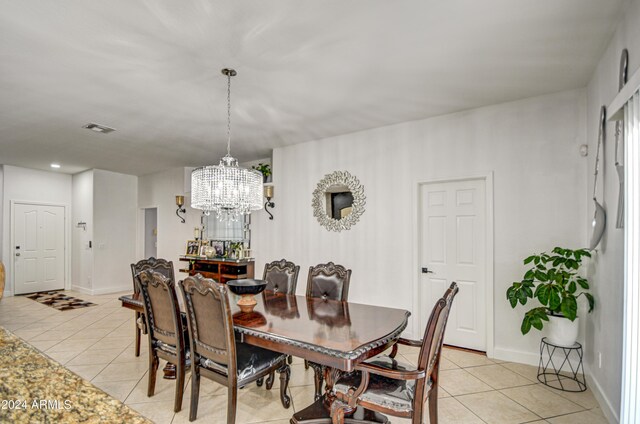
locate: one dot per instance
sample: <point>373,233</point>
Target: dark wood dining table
<point>336,334</point>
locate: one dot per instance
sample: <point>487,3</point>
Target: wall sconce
<point>268,193</point>
<point>180,202</point>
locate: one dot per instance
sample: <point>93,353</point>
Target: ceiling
<point>306,70</point>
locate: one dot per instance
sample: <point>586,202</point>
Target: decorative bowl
<point>246,286</point>
<point>247,289</point>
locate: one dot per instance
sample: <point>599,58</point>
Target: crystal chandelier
<point>226,189</point>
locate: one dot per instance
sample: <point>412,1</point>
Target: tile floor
<point>97,344</point>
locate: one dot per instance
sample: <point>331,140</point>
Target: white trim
<point>489,252</point>
<point>616,107</point>
<point>104,290</point>
<point>80,289</point>
<point>67,239</point>
<point>518,356</point>
<point>610,413</point>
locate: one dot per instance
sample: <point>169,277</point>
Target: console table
<point>221,270</point>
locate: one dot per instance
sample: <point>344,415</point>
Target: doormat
<point>59,301</point>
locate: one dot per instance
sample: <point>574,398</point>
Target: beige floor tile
<point>43,345</point>
<point>128,355</point>
<point>118,389</point>
<point>259,405</point>
<point>63,357</point>
<point>91,333</point>
<point>544,402</point>
<point>112,343</point>
<point>211,409</point>
<point>450,411</point>
<point>164,390</point>
<point>67,345</point>
<point>466,359</point>
<point>122,372</point>
<point>495,408</point>
<point>300,376</point>
<point>301,397</point>
<point>158,412</point>
<point>528,371</point>
<point>58,335</point>
<point>412,358</point>
<point>88,372</point>
<point>95,357</point>
<point>459,382</point>
<point>27,334</point>
<point>584,417</point>
<point>498,376</point>
<point>584,399</point>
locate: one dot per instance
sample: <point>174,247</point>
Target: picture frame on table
<point>193,248</point>
<point>203,246</point>
<point>219,248</point>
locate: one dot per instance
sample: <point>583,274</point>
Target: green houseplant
<point>265,169</point>
<point>554,281</point>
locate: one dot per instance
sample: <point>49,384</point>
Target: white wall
<point>82,254</point>
<point>604,329</point>
<point>114,230</point>
<point>22,184</point>
<point>159,190</point>
<point>531,146</point>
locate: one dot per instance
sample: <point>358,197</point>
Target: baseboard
<point>83,290</point>
<point>518,356</point>
<point>607,409</point>
<point>104,290</point>
<point>113,289</point>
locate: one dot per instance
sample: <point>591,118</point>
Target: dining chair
<point>216,354</point>
<point>326,281</point>
<point>281,277</point>
<point>165,329</point>
<point>162,266</point>
<point>387,385</point>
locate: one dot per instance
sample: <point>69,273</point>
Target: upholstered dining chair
<point>216,354</point>
<point>386,385</point>
<point>326,281</point>
<point>165,328</point>
<point>281,277</point>
<point>162,266</point>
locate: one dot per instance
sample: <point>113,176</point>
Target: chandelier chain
<point>229,114</point>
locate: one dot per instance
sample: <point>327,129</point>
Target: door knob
<point>17,254</point>
<point>426,270</point>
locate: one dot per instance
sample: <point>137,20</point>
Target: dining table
<point>336,335</point>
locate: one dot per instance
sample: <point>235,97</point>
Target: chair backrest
<point>434,333</point>
<point>328,281</point>
<point>281,276</point>
<point>161,309</point>
<point>162,266</point>
<point>210,321</point>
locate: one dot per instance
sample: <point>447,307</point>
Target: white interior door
<point>39,242</point>
<point>453,233</point>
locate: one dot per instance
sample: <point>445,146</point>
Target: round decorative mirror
<point>338,201</point>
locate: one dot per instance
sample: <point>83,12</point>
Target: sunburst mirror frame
<point>359,200</point>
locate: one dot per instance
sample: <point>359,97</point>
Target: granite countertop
<point>36,389</point>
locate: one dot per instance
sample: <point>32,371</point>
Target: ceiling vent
<point>99,128</point>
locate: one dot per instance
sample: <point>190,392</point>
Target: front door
<point>39,243</point>
<point>452,248</point>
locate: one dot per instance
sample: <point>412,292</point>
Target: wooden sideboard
<point>221,270</point>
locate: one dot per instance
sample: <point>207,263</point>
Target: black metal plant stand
<point>552,375</point>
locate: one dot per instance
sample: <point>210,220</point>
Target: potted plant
<point>554,281</point>
<point>265,169</point>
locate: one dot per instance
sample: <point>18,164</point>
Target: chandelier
<point>226,189</point>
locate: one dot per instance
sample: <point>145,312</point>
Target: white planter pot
<point>562,331</point>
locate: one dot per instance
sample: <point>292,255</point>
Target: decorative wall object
<point>622,80</point>
<point>599,217</point>
<point>338,182</point>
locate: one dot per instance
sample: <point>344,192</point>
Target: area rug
<point>36,389</point>
<point>60,301</point>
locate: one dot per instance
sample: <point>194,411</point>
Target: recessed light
<point>103,129</point>
<point>55,165</point>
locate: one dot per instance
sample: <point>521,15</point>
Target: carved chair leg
<point>270,380</point>
<point>232,393</point>
<point>337,412</point>
<point>195,393</point>
<point>153,370</point>
<point>138,331</point>
<point>394,351</point>
<point>433,405</point>
<point>306,364</point>
<point>177,404</point>
<point>260,381</point>
<point>318,379</point>
<point>290,359</point>
<point>285,374</point>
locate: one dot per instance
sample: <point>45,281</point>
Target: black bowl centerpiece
<point>247,289</point>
